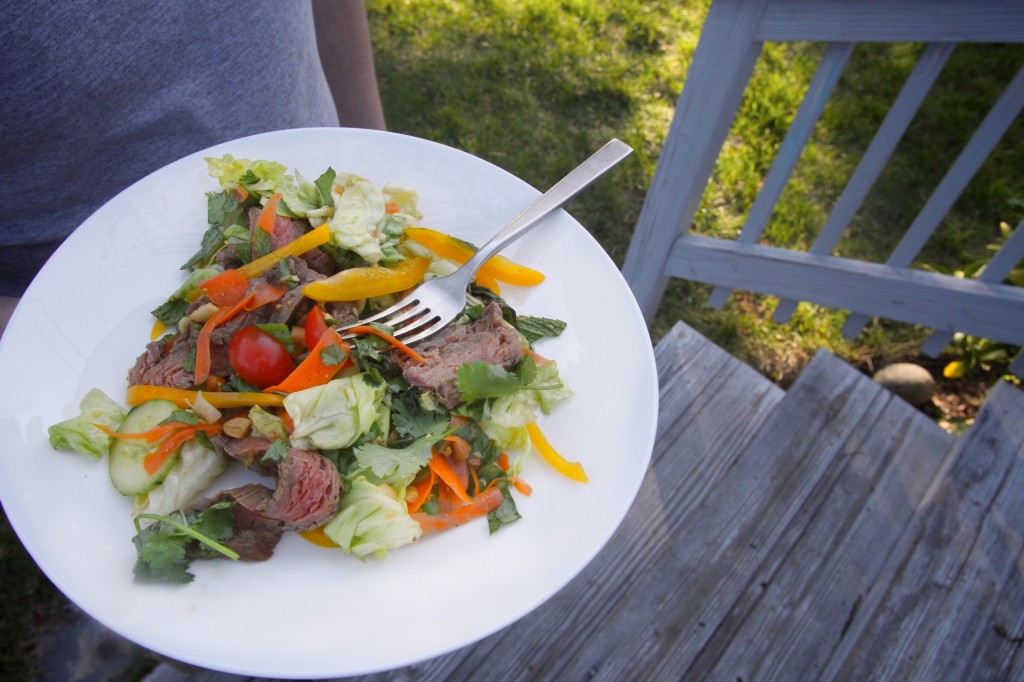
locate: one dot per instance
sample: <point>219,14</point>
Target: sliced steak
<point>162,364</point>
<point>256,535</point>
<point>248,450</point>
<point>489,339</point>
<point>308,491</point>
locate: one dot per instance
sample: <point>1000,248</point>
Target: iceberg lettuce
<point>508,416</point>
<point>336,414</point>
<point>80,433</point>
<point>229,172</point>
<point>196,469</point>
<point>371,520</point>
<point>358,210</point>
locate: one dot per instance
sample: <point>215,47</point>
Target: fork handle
<point>562,191</point>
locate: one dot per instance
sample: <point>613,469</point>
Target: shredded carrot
<point>186,432</point>
<point>263,293</point>
<point>440,466</point>
<point>391,207</point>
<point>476,480</point>
<point>313,371</point>
<point>521,485</point>
<point>241,193</point>
<point>286,419</point>
<point>366,329</point>
<point>422,489</point>
<point>503,462</point>
<point>481,505</point>
<point>266,220</point>
<point>226,288</point>
<point>153,435</point>
<point>203,359</point>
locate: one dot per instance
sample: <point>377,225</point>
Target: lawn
<point>534,86</point>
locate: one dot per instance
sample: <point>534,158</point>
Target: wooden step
<point>952,604</point>
<point>803,504</point>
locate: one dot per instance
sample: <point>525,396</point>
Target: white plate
<point>312,612</point>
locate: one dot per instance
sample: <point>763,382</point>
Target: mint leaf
<point>332,355</point>
<point>505,514</point>
<point>323,186</point>
<point>536,328</point>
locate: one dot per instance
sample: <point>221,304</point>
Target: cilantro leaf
<point>332,355</point>
<point>411,420</point>
<point>477,380</point>
<point>398,463</point>
<point>163,548</point>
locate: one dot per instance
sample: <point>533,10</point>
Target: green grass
<point>534,86</point>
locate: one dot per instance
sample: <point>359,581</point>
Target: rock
<point>911,382</point>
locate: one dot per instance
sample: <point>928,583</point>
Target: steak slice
<point>489,340</point>
<point>256,535</point>
<point>164,365</point>
<point>308,491</point>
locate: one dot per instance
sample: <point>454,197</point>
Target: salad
<point>362,444</point>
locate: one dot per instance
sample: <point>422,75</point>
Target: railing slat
<point>1005,260</point>
<point>908,101</point>
<point>913,296</point>
<point>831,68</point>
<point>981,21</point>
<point>998,120</point>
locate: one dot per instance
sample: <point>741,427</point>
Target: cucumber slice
<point>127,471</point>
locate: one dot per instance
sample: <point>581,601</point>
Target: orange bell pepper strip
<point>496,267</point>
<point>358,283</point>
<point>318,537</point>
<point>266,219</point>
<point>226,288</point>
<point>313,371</point>
<point>573,470</point>
<point>181,397</point>
<point>480,505</point>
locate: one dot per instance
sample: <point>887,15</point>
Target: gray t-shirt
<point>96,94</point>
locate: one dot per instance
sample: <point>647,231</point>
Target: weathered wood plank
<point>699,383</point>
<point>721,67</point>
<point>939,546</point>
<point>996,21</point>
<point>721,544</point>
<point>804,599</point>
<point>914,296</point>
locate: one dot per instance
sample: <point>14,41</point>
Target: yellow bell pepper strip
<point>158,330</point>
<point>573,470</point>
<point>496,267</point>
<point>141,393</point>
<point>358,283</point>
<point>485,281</point>
<point>318,537</point>
<point>306,242</point>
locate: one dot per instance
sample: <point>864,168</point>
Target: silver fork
<point>434,304</point>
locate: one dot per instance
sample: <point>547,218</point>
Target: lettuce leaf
<point>196,469</point>
<point>358,209</point>
<point>371,520</point>
<point>336,414</point>
<point>80,433</point>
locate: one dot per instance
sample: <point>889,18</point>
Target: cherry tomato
<point>259,358</point>
<point>315,326</point>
